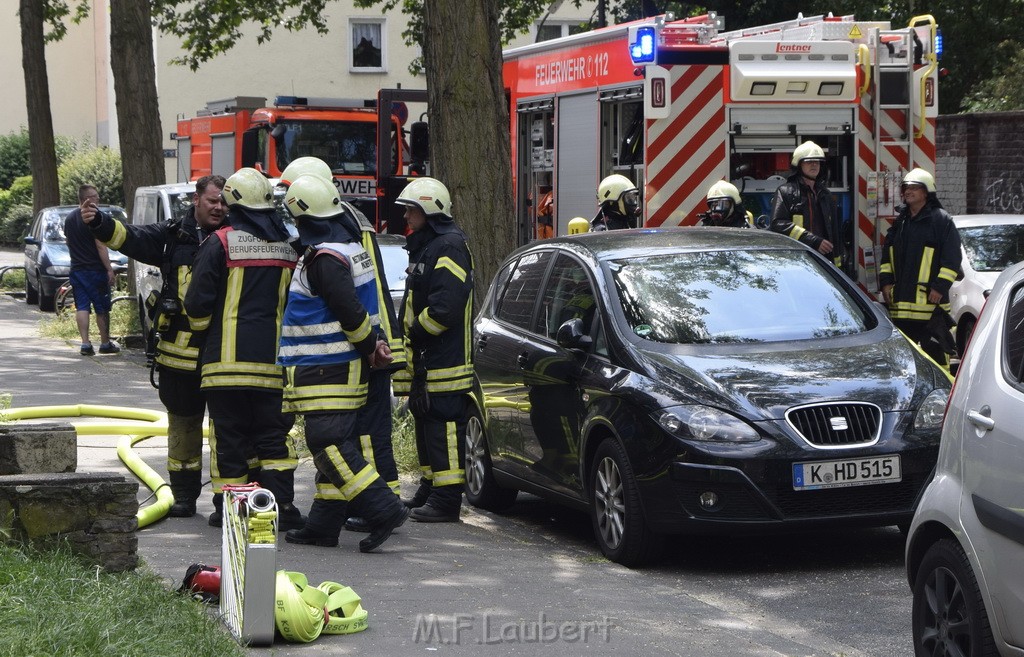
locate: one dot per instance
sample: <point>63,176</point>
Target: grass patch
<point>403,439</point>
<point>52,604</point>
<point>13,281</point>
<point>124,320</point>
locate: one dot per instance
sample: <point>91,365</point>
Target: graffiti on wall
<point>1004,196</point>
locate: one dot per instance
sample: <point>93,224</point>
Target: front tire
<point>482,490</point>
<point>949,616</point>
<point>615,509</point>
<point>31,293</point>
<point>47,302</point>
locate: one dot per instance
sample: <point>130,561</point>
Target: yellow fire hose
<point>148,424</point>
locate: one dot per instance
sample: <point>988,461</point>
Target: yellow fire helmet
<point>578,225</point>
<point>920,177</point>
<point>299,609</point>
<point>429,195</point>
<point>723,189</point>
<point>312,196</point>
<point>306,166</point>
<point>248,188</point>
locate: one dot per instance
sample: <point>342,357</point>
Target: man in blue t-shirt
<point>91,273</point>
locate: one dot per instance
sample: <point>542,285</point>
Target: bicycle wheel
<point>64,300</point>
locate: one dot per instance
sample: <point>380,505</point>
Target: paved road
<point>528,581</point>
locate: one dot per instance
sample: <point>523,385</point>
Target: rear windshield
<point>735,296</point>
<point>995,247</point>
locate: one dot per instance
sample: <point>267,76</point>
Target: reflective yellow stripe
<point>798,221</point>
<point>360,333</point>
<point>366,447</point>
<point>426,472</point>
<point>449,264</point>
<point>279,465</point>
<point>200,323</point>
<point>796,232</point>
<point>948,274</point>
<point>359,482</point>
<point>220,482</point>
<point>427,322</point>
<point>116,240</point>
<point>395,487</point>
<point>235,381</point>
<point>924,274</point>
<point>328,491</point>
<point>449,477</point>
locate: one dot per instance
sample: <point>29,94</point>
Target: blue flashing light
<point>642,50</point>
<point>938,44</point>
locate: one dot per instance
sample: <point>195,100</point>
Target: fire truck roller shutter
<point>222,153</point>
<point>578,158</point>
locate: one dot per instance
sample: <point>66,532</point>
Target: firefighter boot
<point>422,493</point>
<point>185,485</point>
<point>217,517</point>
<point>281,484</point>
<point>322,525</point>
<point>443,505</point>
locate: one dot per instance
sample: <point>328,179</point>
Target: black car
<point>47,261</point>
<point>697,380</point>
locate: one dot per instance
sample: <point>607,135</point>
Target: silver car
<point>965,547</point>
<point>991,243</point>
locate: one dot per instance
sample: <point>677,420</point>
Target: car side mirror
<point>570,335</point>
<point>31,240</point>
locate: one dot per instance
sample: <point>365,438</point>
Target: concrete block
<point>31,448</point>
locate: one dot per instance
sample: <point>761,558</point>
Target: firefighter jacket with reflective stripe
<point>389,323</point>
<point>437,310</point>
<point>920,253</point>
<point>798,210</point>
<point>170,245</point>
<point>329,325</point>
<point>238,291</point>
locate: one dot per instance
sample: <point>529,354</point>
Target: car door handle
<point>152,272</point>
<point>521,360</point>
<point>481,343</point>
<point>981,419</point>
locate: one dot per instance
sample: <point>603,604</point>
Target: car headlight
<point>705,424</point>
<point>932,409</point>
<point>54,270</point>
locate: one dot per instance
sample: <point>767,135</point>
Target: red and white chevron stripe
<point>686,152</point>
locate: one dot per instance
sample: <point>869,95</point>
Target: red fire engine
<point>366,148</point>
<point>678,105</point>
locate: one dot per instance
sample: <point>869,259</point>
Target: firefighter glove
<point>419,400</point>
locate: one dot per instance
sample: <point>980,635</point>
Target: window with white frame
<point>367,45</point>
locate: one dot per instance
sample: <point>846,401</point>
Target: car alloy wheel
<point>615,508</point>
<point>949,615</point>
<point>481,488</point>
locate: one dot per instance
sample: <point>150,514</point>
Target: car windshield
<point>993,248</point>
<point>734,296</point>
<point>54,229</point>
<point>349,147</point>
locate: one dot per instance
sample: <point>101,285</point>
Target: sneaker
<point>382,530</point>
<point>108,348</point>
<point>306,536</point>
<point>87,350</point>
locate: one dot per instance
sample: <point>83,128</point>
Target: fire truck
<point>366,148</point>
<point>676,105</point>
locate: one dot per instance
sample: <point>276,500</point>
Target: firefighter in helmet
<point>436,315</point>
<point>374,419</point>
<point>725,207</point>
<point>327,370</point>
<point>803,207</point>
<point>619,201</point>
<point>920,261</point>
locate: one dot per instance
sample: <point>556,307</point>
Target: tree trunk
<point>138,111</point>
<point>469,125</point>
<point>42,155</point>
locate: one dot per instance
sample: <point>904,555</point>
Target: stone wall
<point>44,502</point>
<point>979,169</point>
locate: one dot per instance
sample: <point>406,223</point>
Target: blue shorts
<point>92,288</point>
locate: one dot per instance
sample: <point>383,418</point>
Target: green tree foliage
<point>14,154</point>
<point>14,224</point>
<point>99,167</point>
<point>1005,90</point>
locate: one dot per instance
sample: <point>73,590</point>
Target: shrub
<point>14,226</point>
<point>14,154</point>
<point>100,167</point>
